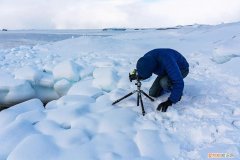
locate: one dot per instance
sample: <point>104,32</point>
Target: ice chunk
<point>66,70</point>
<point>6,80</point>
<point>85,87</point>
<point>45,93</point>
<point>85,72</point>
<point>30,105</point>
<point>28,73</point>
<point>105,78</point>
<point>62,86</point>
<point>8,115</point>
<point>19,92</point>
<point>14,91</point>
<point>46,80</point>
<point>48,68</point>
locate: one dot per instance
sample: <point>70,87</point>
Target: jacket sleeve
<point>175,75</point>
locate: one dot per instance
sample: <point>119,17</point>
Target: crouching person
<point>171,68</point>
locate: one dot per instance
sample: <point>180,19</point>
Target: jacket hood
<point>145,66</point>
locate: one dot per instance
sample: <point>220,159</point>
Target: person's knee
<point>155,92</point>
<point>152,93</point>
<point>164,83</point>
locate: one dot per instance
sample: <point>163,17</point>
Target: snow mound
<point>105,78</point>
<point>62,86</point>
<point>46,94</point>
<point>42,147</point>
<point>8,142</point>
<point>28,73</point>
<point>151,144</point>
<point>30,105</point>
<point>86,72</point>
<point>85,87</point>
<point>46,80</point>
<point>69,99</point>
<point>18,120</point>
<point>14,91</point>
<point>66,70</point>
<point>29,82</point>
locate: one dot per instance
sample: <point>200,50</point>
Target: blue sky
<point>78,14</point>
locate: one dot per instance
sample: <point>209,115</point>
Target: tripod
<point>139,96</point>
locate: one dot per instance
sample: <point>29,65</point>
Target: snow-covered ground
<point>78,78</point>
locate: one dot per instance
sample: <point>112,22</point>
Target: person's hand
<point>164,105</point>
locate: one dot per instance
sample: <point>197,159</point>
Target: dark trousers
<point>163,83</point>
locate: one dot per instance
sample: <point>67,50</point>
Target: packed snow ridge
<point>68,88</point>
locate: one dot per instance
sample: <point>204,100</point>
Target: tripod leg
<point>123,97</point>
<point>147,95</point>
<point>143,111</point>
<point>138,98</point>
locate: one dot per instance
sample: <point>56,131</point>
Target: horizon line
<point>193,24</point>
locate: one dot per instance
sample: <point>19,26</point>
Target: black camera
<point>133,75</point>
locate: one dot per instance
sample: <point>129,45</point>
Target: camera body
<point>133,75</point>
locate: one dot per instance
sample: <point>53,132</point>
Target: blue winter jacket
<point>164,62</point>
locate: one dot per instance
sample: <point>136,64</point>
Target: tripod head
<point>138,84</point>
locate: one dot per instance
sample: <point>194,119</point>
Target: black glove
<point>164,105</point>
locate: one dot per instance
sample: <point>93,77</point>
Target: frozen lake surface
<point>16,38</point>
